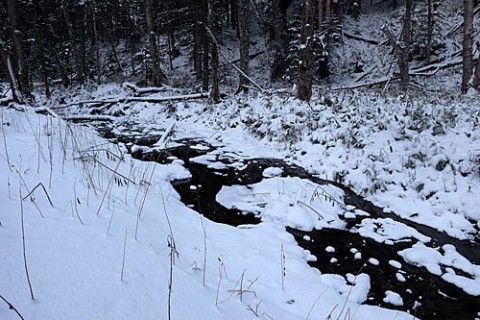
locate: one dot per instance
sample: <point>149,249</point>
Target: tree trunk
<point>233,13</point>
<point>197,50</point>
<point>476,77</point>
<point>328,10</point>
<point>429,31</point>
<point>152,42</point>
<point>215,78</point>
<point>214,53</point>
<point>13,78</point>
<point>244,32</point>
<point>320,15</point>
<point>467,44</point>
<point>305,64</point>
<point>279,41</point>
<point>206,46</point>
<point>404,56</point>
<point>97,43</point>
<point>81,56</point>
<point>21,65</point>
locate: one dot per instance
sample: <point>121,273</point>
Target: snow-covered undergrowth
<point>116,242</point>
<point>419,158</point>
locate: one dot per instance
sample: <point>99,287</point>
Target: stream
<point>424,294</point>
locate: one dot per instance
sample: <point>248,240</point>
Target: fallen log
<point>425,71</point>
<point>363,39</point>
<point>139,91</point>
<point>432,69</point>
<point>184,97</point>
<point>86,117</point>
<point>162,142</point>
<point>379,81</point>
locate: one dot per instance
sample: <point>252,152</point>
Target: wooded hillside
<point>191,43</point>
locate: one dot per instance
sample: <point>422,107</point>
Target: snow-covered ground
<point>117,233</point>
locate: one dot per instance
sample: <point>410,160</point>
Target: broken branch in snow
<point>162,142</point>
<point>379,81</point>
<point>460,24</point>
<point>432,69</point>
<point>231,63</point>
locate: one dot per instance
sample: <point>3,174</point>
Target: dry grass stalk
<point>24,247</point>
<point>50,150</point>
<point>44,190</point>
<point>110,182</point>
<point>173,252</point>
<point>204,229</point>
<point>30,194</point>
<point>76,201</point>
<point>282,265</point>
<point>11,307</point>
<point>124,254</point>
<point>315,303</point>
<point>111,218</point>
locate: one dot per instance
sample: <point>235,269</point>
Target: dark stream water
<point>424,295</point>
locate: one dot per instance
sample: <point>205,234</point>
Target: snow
<point>393,298</point>
<point>294,202</point>
<point>395,264</point>
<point>400,277</point>
<point>272,172</point>
<point>373,261</point>
<point>330,249</point>
<point>441,262</point>
<point>382,230</point>
<point>75,249</point>
<point>423,256</point>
